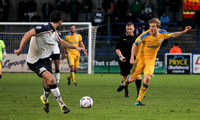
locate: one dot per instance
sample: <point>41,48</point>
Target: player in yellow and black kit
<point>151,41</point>
<point>72,54</point>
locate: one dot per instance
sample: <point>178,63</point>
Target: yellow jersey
<point>74,40</point>
<point>150,45</point>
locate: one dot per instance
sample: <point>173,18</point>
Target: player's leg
<point>126,87</point>
<point>70,61</point>
<point>51,81</point>
<point>57,70</point>
<point>143,90</point>
<point>138,83</point>
<point>135,72</point>
<point>148,73</point>
<point>76,66</point>
<point>72,74</point>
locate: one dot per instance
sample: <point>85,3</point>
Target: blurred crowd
<point>115,10</point>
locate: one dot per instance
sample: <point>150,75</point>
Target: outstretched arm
<point>24,40</point>
<point>177,34</point>
<point>68,45</point>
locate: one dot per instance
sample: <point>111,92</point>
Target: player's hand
<point>63,56</point>
<point>132,61</point>
<point>79,48</point>
<point>85,51</point>
<point>187,28</point>
<point>17,52</point>
<point>123,59</point>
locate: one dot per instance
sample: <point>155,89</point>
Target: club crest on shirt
<point>76,38</point>
<point>160,40</point>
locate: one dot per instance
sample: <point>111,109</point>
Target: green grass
<point>169,97</point>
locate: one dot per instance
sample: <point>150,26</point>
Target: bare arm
<point>24,40</point>
<point>63,53</point>
<point>83,46</point>
<point>177,34</point>
<point>121,57</point>
<point>4,51</point>
<point>68,45</point>
<point>133,51</point>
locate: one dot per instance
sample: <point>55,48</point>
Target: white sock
<point>56,94</point>
<point>57,77</point>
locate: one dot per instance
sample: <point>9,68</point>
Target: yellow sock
<point>126,82</point>
<point>73,77</point>
<point>143,90</point>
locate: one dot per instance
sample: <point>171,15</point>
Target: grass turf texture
<point>169,97</point>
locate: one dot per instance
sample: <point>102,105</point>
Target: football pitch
<point>169,97</point>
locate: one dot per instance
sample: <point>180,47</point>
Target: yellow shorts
<point>73,59</point>
<point>0,65</point>
<point>146,65</point>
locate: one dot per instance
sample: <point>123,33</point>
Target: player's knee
<point>52,80</point>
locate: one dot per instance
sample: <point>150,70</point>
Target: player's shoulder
<point>44,28</point>
<point>144,34</point>
<point>67,35</point>
<point>162,31</point>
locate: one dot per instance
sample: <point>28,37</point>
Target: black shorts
<point>40,66</point>
<point>55,56</point>
<point>125,68</point>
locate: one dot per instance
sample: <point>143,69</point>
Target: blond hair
<point>155,20</point>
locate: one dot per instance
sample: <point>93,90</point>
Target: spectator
<point>98,17</point>
<point>161,7</point>
<point>139,30</point>
<point>5,6</point>
<point>47,8</point>
<point>106,4</point>
<point>25,17</point>
<point>21,8</point>
<point>31,7</point>
<point>36,17</point>
<point>136,7</point>
<point>131,17</point>
<point>87,10</point>
<point>2,19</point>
<point>61,5</point>
<point>148,7</point>
<point>196,18</point>
<point>122,7</point>
<point>150,16</point>
<point>142,17</point>
<point>74,7</point>
<point>175,48</point>
<point>164,19</point>
<point>174,9</point>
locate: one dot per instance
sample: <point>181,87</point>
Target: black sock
<point>0,76</point>
<point>138,83</point>
<point>125,88</point>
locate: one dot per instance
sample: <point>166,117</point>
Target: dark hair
<point>175,43</point>
<point>71,25</point>
<point>129,24</point>
<point>56,16</point>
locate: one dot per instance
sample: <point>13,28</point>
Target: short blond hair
<point>155,20</point>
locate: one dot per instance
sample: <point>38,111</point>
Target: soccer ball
<point>86,102</point>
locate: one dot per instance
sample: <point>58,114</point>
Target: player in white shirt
<point>43,40</point>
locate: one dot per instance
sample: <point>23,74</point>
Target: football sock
<point>125,88</point>
<point>0,76</point>
<point>143,90</point>
<point>57,73</point>
<point>73,76</point>
<point>126,82</point>
<point>46,93</point>
<point>138,85</point>
<point>56,93</point>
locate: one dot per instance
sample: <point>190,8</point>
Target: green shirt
<point>2,45</point>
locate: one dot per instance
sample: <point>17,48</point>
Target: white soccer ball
<point>86,102</point>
